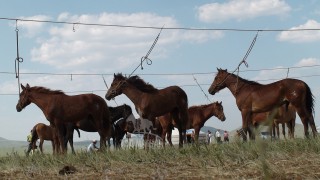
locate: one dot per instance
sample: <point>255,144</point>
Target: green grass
<point>260,159</point>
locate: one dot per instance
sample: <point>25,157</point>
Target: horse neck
<point>234,83</point>
<point>117,113</point>
<point>134,94</point>
<point>209,111</point>
<point>41,100</point>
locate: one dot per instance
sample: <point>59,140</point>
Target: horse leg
<point>304,119</point>
<point>41,145</point>
<point>284,130</point>
<point>246,117</point>
<point>169,136</point>
<point>53,146</point>
<point>278,131</point>
<point>196,134</point>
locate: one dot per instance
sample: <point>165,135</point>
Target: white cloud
<point>308,62</point>
<point>242,9</point>
<point>109,49</point>
<point>302,36</point>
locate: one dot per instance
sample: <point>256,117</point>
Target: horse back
<point>44,132</point>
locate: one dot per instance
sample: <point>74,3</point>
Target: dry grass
<point>294,159</point>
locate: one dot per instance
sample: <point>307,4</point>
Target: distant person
<point>92,147</point>
<point>209,135</point>
<point>218,137</point>
<point>226,136</point>
<point>29,139</point>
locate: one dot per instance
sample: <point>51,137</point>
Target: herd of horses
<point>166,108</point>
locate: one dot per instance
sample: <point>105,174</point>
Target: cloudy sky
<point>72,57</point>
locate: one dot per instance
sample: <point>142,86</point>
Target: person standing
<point>209,135</point>
<point>226,136</point>
<point>218,137</point>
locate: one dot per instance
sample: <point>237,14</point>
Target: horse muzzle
<point>18,107</point>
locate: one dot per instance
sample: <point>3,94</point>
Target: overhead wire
<point>155,27</point>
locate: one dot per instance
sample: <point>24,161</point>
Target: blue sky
<point>179,54</point>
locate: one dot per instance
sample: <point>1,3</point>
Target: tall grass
<point>263,159</point>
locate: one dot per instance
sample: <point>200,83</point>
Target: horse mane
<point>46,90</point>
<point>141,84</point>
<point>200,106</point>
<point>247,81</point>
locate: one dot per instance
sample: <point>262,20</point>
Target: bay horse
<point>44,132</point>
<point>253,97</point>
<point>198,115</point>
<point>151,102</point>
<point>60,108</point>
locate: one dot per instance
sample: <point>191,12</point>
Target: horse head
<point>24,99</point>
<point>219,81</point>
<point>117,85</point>
<point>219,111</point>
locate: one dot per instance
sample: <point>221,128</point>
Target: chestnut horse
<point>198,115</point>
<point>252,97</point>
<point>45,132</point>
<point>151,102</point>
<point>284,116</point>
<point>60,108</point>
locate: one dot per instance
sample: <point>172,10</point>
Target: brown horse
<point>252,97</point>
<point>45,132</point>
<point>119,116</point>
<point>60,108</point>
<point>198,115</point>
<point>284,116</point>
<point>151,102</point>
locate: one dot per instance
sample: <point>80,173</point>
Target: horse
<point>60,108</point>
<point>119,116</point>
<point>198,115</point>
<point>253,97</point>
<point>151,102</point>
<point>284,116</point>
<point>44,132</point>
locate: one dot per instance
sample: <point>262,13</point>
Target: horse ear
<point>220,102</point>
<point>114,74</point>
<point>22,87</point>
<point>28,86</point>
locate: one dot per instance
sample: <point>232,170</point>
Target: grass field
<point>261,159</point>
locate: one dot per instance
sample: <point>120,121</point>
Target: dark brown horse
<point>119,116</point>
<point>151,102</point>
<point>60,108</point>
<point>198,115</point>
<point>45,132</point>
<point>252,97</point>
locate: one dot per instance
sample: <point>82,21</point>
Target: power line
<point>155,27</point>
<point>181,85</point>
<point>156,74</point>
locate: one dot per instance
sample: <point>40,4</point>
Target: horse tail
<point>34,134</point>
<point>309,100</point>
<point>78,131</point>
